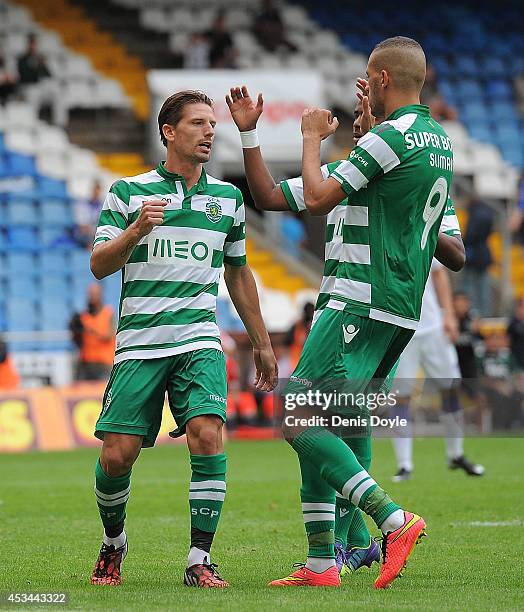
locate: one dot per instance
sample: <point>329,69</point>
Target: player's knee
<point>116,461</point>
<point>205,433</point>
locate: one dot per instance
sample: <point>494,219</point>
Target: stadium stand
<point>97,66</point>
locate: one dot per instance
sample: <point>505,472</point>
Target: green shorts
<point>349,354</point>
<point>134,397</point>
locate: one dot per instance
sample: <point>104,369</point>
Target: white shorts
<point>435,355</point>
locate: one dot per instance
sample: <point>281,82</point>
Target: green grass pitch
<point>50,532</point>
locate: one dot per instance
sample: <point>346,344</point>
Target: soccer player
<point>397,180</point>
<point>431,349</point>
<point>171,231</point>
<point>353,544</point>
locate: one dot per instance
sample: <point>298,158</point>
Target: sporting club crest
<point>213,210</point>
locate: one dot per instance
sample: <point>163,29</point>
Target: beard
<point>376,104</point>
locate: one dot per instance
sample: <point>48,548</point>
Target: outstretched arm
<point>243,291</point>
<point>267,195</point>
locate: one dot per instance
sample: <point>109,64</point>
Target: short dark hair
<point>397,42</point>
<point>171,111</point>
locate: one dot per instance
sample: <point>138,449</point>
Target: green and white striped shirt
<point>294,193</point>
<point>170,282</point>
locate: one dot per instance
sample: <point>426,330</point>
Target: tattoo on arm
<point>127,249</point>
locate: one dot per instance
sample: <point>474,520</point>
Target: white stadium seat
<point>154,19</point>
<point>20,140</point>
<point>498,184</point>
<point>20,113</point>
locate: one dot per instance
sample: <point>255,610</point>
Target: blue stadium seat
<point>54,314</point>
<point>21,212</point>
<point>54,286</point>
<point>22,238</point>
<point>19,264</point>
<point>514,155</point>
<point>3,246</point>
<point>19,164</point>
<point>55,238</point>
<point>53,263</point>
<point>474,112</point>
<point>56,213</point>
<point>480,131</point>
<point>469,90</point>
<point>21,287</point>
<point>79,262</point>
<point>20,315</point>
<point>494,67</point>
<point>51,188</point>
<point>467,66</point>
<point>499,89</point>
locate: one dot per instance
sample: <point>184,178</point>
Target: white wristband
<point>249,139</point>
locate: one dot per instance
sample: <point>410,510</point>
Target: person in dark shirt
<point>269,29</point>
<point>465,344</point>
<point>478,255</point>
<point>222,53</point>
<point>516,334</point>
<point>32,66</point>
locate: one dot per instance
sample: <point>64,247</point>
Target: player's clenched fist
<point>318,122</point>
<point>151,215</point>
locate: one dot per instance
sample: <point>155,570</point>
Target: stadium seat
<point>21,212</point>
<point>22,238</point>
<point>19,164</point>
<point>52,188</point>
<point>20,314</point>
<point>54,286</point>
<point>55,314</point>
<point>56,213</point>
<point>53,263</point>
<point>22,287</point>
<point>55,238</point>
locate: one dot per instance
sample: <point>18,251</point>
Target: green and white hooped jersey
<point>348,233</point>
<point>170,282</point>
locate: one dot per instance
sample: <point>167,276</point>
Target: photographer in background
<point>93,331</point>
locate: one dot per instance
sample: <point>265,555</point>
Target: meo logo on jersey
<point>213,210</point>
<point>171,246</point>
<point>350,332</point>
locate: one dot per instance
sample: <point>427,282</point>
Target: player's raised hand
<point>368,120</point>
<point>151,215</point>
<point>318,122</point>
<point>244,111</point>
<point>266,375</point>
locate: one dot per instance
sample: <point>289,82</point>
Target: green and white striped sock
<point>112,493</point>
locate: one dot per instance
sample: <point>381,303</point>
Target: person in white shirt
<point>432,349</point>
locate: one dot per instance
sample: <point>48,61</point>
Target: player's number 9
<point>432,213</point>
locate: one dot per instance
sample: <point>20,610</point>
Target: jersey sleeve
<point>377,153</point>
<point>114,214</point>
<point>235,244</point>
<point>449,224</point>
<point>293,188</point>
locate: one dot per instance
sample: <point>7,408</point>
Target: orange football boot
<point>396,548</point>
<point>306,577</point>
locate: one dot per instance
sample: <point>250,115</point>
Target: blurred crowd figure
<point>431,96</point>
<point>297,334</point>
<point>211,49</point>
<point>478,255</point>
<point>8,81</point>
<point>269,29</point>
<point>32,66</point>
<point>86,214</point>
<point>492,363</point>
<point>93,332</point>
<point>9,379</point>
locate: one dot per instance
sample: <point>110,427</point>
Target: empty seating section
<point>475,56</point>
<point>43,273</point>
<point>80,79</point>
